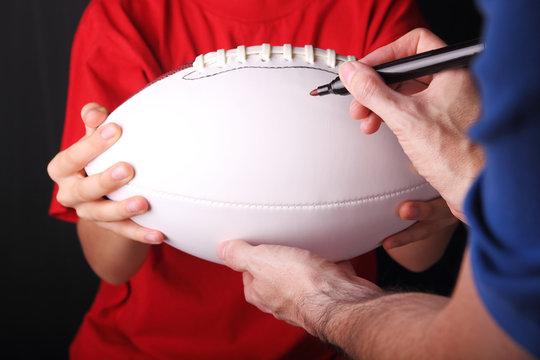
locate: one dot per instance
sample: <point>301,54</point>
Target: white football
<point>234,147</point>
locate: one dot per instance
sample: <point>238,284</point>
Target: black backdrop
<point>46,285</point>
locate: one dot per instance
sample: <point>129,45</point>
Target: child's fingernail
<point>134,207</point>
<point>108,132</point>
<point>412,212</point>
<point>392,244</point>
<point>119,173</point>
<point>153,238</point>
<point>90,113</point>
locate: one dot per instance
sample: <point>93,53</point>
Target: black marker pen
<point>415,66</point>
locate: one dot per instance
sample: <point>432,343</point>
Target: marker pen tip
<point>314,92</point>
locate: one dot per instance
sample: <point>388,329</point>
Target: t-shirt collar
<point>253,10</point>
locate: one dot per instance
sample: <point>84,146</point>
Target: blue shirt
<point>503,206</point>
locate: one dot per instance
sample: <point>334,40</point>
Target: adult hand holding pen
<point>430,118</point>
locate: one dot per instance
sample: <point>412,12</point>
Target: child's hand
<point>424,243</point>
<point>85,193</point>
<point>434,221</point>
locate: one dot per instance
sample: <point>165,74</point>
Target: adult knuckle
<point>247,292</point>
<point>230,253</point>
<point>412,108</point>
<point>421,31</point>
<point>250,295</point>
<point>263,250</point>
<point>412,112</point>
<point>251,263</point>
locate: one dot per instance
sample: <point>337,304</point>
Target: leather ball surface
<point>234,147</point>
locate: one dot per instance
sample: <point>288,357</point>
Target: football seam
<point>185,77</point>
<point>343,203</point>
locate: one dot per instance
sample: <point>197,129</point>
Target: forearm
<point>330,302</point>
<point>395,326</point>
<point>113,258</point>
<point>420,326</point>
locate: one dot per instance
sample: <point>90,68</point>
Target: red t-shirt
<point>178,306</point>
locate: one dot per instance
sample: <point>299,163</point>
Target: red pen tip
<point>314,92</point>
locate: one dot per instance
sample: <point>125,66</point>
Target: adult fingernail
<point>346,71</point>
<point>108,132</point>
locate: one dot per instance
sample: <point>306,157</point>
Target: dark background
<point>46,285</point>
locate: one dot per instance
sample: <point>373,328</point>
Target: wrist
<point>464,176</point>
<point>331,308</point>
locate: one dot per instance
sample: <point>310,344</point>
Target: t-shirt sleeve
<point>504,204</point>
<point>110,61</point>
<point>390,20</point>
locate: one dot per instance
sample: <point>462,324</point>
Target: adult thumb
<point>369,89</point>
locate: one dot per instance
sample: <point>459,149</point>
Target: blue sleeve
<point>503,206</point>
